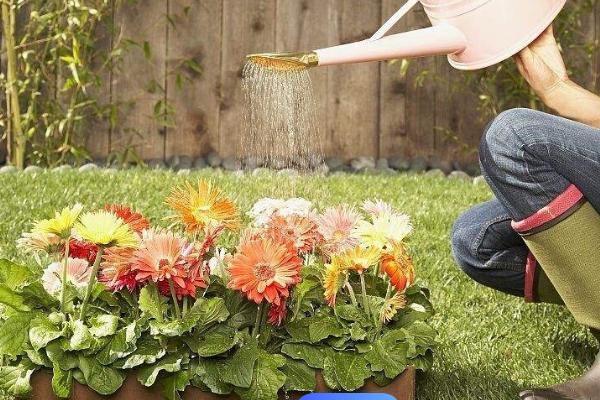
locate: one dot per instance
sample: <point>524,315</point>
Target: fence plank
<point>353,90</point>
<point>194,35</point>
<point>248,27</point>
<point>392,133</point>
<point>303,25</point>
<point>138,82</point>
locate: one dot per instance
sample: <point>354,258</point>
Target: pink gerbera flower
<point>302,232</point>
<point>336,225</point>
<point>377,208</point>
<point>78,274</point>
<point>116,270</point>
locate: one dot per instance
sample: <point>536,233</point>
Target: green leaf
<point>203,313</point>
<point>147,50</point>
<point>242,312</point>
<point>171,363</point>
<point>104,325</point>
<point>148,351</point>
<point>351,313</point>
<point>388,356</point>
<point>173,384</point>
<point>215,341</point>
<point>82,338</point>
<point>42,331</point>
<point>299,376</point>
<point>347,369</point>
<point>209,374</point>
<point>120,345</point>
<point>67,360</point>
<point>37,297</point>
<point>357,332</point>
<point>423,362</point>
<point>13,334</point>
<point>14,276</point>
<point>14,380</point>
<point>322,327</point>
<point>238,369</point>
<point>313,355</point>
<point>267,379</point>
<point>151,302</point>
<point>62,382</point>
<point>12,299</point>
<point>38,358</point>
<point>300,292</point>
<point>103,380</point>
<point>298,330</point>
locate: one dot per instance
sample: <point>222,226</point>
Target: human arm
<point>542,66</point>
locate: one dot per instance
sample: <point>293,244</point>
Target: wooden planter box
<point>402,388</point>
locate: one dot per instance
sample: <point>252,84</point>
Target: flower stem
<point>185,305</point>
<point>364,294</point>
<point>257,321</point>
<point>175,302</point>
<point>63,289</point>
<point>351,293</point>
<point>91,282</point>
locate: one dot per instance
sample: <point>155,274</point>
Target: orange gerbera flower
<point>203,206</point>
<point>264,269</point>
<point>302,232</point>
<point>392,306</point>
<point>399,266</point>
<point>136,221</point>
<point>116,269</point>
<point>162,255</point>
<point>359,258</point>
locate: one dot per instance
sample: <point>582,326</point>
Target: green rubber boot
<point>564,237</point>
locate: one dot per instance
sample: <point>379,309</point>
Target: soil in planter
<point>402,388</point>
<point>281,128</point>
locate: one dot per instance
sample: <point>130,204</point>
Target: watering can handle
<point>394,19</point>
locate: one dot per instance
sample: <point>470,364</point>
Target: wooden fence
<point>367,109</point>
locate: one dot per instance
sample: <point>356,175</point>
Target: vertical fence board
<point>194,35</point>
<point>392,131</point>
<point>353,90</point>
<point>303,25</point>
<point>138,83</point>
<point>248,27</point>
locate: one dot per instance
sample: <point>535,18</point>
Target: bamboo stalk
<point>12,92</point>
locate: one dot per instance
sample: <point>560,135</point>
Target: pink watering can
<point>473,33</point>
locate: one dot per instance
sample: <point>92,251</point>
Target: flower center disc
<point>264,272</point>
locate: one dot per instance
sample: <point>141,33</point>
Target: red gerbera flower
<point>136,221</point>
<point>84,250</point>
<point>116,270</point>
<point>277,313</point>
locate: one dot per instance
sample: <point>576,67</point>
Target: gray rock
<point>399,163</point>
<point>260,171</point>
<point>180,162</point>
<point>232,164</point>
<point>62,168</point>
<point>386,171</point>
<point>33,169</point>
<point>321,169</point>
<point>213,159</point>
<point>183,171</point>
<point>334,163</point>
<point>88,167</point>
<point>473,169</point>
<point>156,163</point>
<point>288,172</point>
<point>435,172</point>
<point>315,160</point>
<point>459,175</point>
<point>200,163</point>
<point>382,164</point>
<point>443,165</point>
<point>239,173</point>
<point>252,162</point>
<point>110,171</point>
<point>479,180</point>
<point>418,164</point>
<point>7,169</point>
<point>362,163</point>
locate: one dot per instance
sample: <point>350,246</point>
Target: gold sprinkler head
<point>285,61</point>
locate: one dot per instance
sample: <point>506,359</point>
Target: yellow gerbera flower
<point>105,229</point>
<point>385,229</point>
<point>392,306</point>
<point>202,206</point>
<point>61,224</point>
<point>333,280</point>
<point>359,258</point>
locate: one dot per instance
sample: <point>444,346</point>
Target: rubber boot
<point>538,288</point>
<point>564,239</point>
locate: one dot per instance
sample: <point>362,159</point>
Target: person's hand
<point>542,65</point>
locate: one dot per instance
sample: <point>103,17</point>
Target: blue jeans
<point>528,158</point>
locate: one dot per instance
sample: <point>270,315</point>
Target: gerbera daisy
<point>162,255</point>
<point>385,229</point>
<point>34,242</point>
<point>264,269</point>
<point>336,225</point>
<point>81,249</point>
<point>193,281</point>
<point>264,209</point>
<point>391,307</point>
<point>105,229</point>
<point>61,224</point>
<point>302,232</point>
<point>78,273</point>
<point>359,258</point>
<point>277,313</point>
<point>377,207</point>
<point>116,269</point>
<point>202,206</point>
<point>136,221</point>
<point>333,280</point>
<point>398,266</point>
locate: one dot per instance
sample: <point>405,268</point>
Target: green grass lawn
<point>490,345</point>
